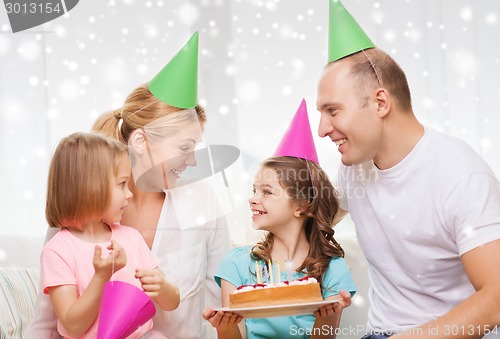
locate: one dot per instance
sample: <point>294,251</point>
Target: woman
<point>162,125</point>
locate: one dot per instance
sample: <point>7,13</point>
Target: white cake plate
<point>279,310</point>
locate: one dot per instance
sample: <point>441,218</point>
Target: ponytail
<point>109,124</point>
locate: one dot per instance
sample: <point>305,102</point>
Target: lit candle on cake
<point>271,280</point>
<point>278,272</point>
<point>257,272</point>
<point>265,274</point>
<point>289,269</point>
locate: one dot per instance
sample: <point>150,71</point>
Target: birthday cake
<point>288,292</point>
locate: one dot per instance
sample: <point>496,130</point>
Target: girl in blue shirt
<point>294,201</point>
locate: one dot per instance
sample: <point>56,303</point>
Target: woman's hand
<point>106,267</point>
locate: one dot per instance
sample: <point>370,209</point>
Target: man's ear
<point>137,142</point>
<point>383,100</point>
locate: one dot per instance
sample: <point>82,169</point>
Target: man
<point>426,207</point>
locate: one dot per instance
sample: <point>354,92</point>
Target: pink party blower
<point>124,308</point>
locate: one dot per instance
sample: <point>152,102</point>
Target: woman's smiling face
<point>162,150</point>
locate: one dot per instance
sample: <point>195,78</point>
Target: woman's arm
<point>156,286</point>
<point>44,321</point>
<point>43,324</point>
<point>217,246</point>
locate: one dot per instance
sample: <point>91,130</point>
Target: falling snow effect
<point>258,59</point>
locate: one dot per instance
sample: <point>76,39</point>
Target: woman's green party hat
<point>177,83</point>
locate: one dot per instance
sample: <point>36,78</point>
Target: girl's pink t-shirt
<point>67,260</point>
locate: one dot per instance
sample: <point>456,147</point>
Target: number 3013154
<point>27,8</point>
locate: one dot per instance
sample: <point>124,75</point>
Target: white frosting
<point>249,288</point>
<point>309,280</point>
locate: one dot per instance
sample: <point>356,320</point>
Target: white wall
<point>258,59</point>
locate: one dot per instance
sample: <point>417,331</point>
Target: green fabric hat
<point>177,83</point>
<point>345,37</point>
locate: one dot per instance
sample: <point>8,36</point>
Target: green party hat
<point>177,83</point>
<point>345,37</point>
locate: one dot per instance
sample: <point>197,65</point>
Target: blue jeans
<point>376,336</point>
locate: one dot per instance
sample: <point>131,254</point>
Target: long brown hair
<point>307,185</point>
<point>140,108</point>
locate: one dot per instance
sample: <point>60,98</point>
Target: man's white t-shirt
<point>414,221</point>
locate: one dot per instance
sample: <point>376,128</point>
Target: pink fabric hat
<point>298,140</point>
<point>124,308</point>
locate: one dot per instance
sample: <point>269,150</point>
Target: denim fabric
<point>375,336</point>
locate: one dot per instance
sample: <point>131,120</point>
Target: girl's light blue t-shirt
<point>238,268</point>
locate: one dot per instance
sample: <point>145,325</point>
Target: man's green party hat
<point>345,37</point>
<point>177,83</point>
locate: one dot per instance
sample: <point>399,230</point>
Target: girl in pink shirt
<point>87,193</point>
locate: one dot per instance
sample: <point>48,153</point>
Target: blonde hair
<point>307,185</point>
<point>80,177</point>
<point>141,108</point>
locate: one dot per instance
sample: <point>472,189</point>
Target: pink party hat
<point>298,140</point>
<point>124,308</point>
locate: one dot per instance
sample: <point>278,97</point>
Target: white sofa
<point>19,282</point>
<point>19,279</point>
<point>354,318</point>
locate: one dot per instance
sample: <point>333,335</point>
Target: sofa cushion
<point>18,294</point>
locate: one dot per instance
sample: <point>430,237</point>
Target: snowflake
<point>68,89</point>
<point>486,144</point>
<point>466,14</point>
<point>286,31</point>
<point>287,90</point>
<point>84,80</point>
<point>378,17</point>
<point>491,18</point>
<point>223,110</point>
<point>4,44</point>
<point>29,50</point>
<point>151,31</point>
<point>188,14</point>
<point>249,91</point>
<point>389,35</point>
<point>465,63</point>
<point>358,300</point>
<point>28,195</point>
<point>428,104</point>
<point>72,65</point>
